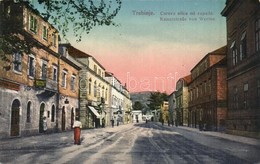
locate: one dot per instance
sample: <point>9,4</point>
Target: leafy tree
<point>77,16</point>
<point>83,15</point>
<point>156,100</point>
<point>138,106</point>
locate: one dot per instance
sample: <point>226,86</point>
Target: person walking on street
<point>77,126</point>
<point>45,127</point>
<point>112,122</point>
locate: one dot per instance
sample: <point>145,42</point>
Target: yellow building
<point>165,112</point>
<point>94,89</point>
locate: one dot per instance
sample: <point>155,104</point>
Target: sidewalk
<point>246,140</point>
<point>58,140</point>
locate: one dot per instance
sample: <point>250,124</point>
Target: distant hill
<point>142,97</point>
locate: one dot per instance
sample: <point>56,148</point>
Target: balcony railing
<point>46,84</point>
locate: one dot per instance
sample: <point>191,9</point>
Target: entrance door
<point>15,118</point>
<point>63,120</point>
<point>72,117</point>
<point>42,107</point>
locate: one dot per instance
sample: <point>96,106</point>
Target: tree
<point>83,15</point>
<point>138,106</point>
<point>156,100</point>
<point>77,16</point>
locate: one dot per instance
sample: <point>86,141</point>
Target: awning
<point>94,111</point>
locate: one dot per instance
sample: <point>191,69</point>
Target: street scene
<point>130,81</point>
<point>134,143</point>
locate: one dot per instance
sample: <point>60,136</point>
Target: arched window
<point>28,112</point>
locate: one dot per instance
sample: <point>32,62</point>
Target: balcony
<point>47,84</point>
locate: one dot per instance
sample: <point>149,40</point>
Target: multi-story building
<point>28,78</point>
<point>164,113</point>
<point>117,110</point>
<point>93,88</point>
<point>172,107</point>
<point>243,66</point>
<point>127,106</point>
<point>182,99</point>
<point>68,80</point>
<point>207,91</point>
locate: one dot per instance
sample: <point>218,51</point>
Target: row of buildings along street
<point>222,92</point>
<point>58,81</point>
<point>54,81</point>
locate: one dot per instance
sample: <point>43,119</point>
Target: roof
<point>187,79</point>
<point>228,7</point>
<point>219,51</point>
<point>76,53</point>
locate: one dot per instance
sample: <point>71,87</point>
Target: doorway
<point>63,120</point>
<point>15,118</point>
<point>42,108</point>
<point>72,117</point>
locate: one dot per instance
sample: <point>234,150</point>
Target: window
<point>31,66</point>
<point>28,112</point>
<point>257,35</point>
<point>33,24</point>
<point>52,113</point>
<point>95,89</point>
<point>99,72</point>
<point>209,86</point>
<point>72,82</point>
<point>64,79</point>
<point>205,87</point>
<point>54,73</point>
<point>17,62</point>
<point>103,92</point>
<point>234,53</point>
<point>258,93</point>
<point>54,39</point>
<point>89,87</point>
<point>44,70</point>
<point>95,68</point>
<point>235,98</point>
<point>45,32</point>
<point>99,90</point>
<point>106,95</point>
<point>245,96</point>
<point>243,48</point>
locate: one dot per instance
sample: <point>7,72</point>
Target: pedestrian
<point>117,121</point>
<point>77,126</point>
<point>162,122</point>
<point>112,122</point>
<point>45,127</point>
<point>169,123</point>
<point>103,122</point>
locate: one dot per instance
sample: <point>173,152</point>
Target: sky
<point>157,42</point>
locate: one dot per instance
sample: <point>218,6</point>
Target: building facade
<point>182,99</point>
<point>117,97</point>
<point>68,84</point>
<point>243,66</point>
<point>164,113</point>
<point>94,89</point>
<point>207,92</point>
<point>30,78</point>
<point>172,107</point>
